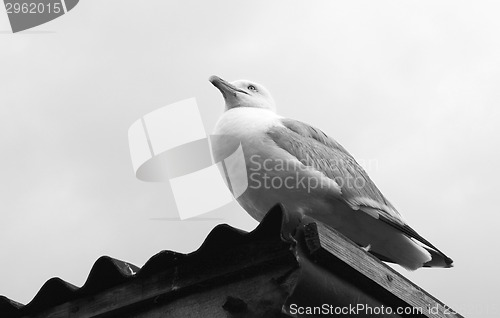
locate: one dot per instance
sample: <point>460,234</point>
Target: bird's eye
<point>251,87</point>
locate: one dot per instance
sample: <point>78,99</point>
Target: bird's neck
<point>243,121</point>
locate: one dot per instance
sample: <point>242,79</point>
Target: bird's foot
<point>366,248</point>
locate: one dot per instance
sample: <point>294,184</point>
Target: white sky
<point>411,88</point>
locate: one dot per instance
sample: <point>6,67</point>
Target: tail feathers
<point>405,252</point>
<point>438,259</point>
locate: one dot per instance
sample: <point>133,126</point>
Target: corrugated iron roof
<point>108,272</point>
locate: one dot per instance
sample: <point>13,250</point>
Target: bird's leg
<point>366,248</point>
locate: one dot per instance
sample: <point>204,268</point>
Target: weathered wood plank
<point>260,296</point>
<point>322,237</point>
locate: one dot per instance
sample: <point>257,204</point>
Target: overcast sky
<point>411,89</point>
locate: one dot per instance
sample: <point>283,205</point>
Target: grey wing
<point>315,149</point>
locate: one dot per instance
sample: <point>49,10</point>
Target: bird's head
<point>244,93</point>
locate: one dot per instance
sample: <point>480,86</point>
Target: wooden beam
<point>322,238</point>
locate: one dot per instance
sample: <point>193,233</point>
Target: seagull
<point>299,166</point>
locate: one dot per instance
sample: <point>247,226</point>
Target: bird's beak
<point>227,89</point>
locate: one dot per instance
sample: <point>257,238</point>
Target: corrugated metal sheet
<point>108,272</point>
